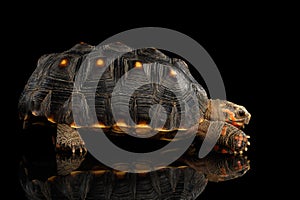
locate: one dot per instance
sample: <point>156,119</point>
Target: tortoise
<point>186,178</point>
<point>48,93</point>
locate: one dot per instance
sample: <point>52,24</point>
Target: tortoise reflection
<point>83,177</point>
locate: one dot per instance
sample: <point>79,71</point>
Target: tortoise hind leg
<point>69,138</point>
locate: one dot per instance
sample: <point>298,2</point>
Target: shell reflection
<point>83,177</point>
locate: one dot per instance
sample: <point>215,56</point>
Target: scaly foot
<point>69,138</point>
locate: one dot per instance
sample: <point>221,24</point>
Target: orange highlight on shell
<point>173,73</point>
<point>100,62</point>
<point>138,64</point>
<point>64,62</point>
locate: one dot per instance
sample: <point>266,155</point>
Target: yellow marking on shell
<point>141,168</point>
<point>100,62</point>
<point>181,129</point>
<point>241,152</point>
<point>248,136</point>
<point>160,167</point>
<point>168,139</point>
<point>34,113</point>
<point>142,125</point>
<point>38,123</point>
<point>120,127</point>
<point>170,130</point>
<point>99,125</point>
<point>141,173</point>
<point>121,123</point>
<point>248,143</point>
<point>182,167</point>
<point>73,125</point>
<point>52,178</point>
<point>50,119</point>
<point>163,130</point>
<point>173,73</point>
<point>138,64</point>
<point>246,149</point>
<point>143,129</point>
<point>26,117</point>
<point>64,62</point>
<point>99,172</point>
<point>121,166</point>
<point>74,173</point>
<point>120,174</point>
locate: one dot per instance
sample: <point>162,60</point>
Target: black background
<point>237,44</point>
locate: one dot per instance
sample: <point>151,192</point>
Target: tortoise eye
<point>63,63</point>
<point>241,113</point>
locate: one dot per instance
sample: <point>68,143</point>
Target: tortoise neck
<point>213,111</point>
<point>208,110</point>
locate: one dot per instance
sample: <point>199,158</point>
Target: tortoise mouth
<point>238,123</point>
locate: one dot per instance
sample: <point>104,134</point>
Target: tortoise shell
<point>49,89</point>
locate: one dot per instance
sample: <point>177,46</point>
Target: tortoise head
<point>232,113</point>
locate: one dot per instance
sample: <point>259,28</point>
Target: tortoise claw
<point>68,139</point>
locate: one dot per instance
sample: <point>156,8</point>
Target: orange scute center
<point>64,62</point>
<point>100,62</point>
<point>138,64</point>
<point>173,73</point>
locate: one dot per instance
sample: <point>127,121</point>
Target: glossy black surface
<point>61,177</point>
<point>233,51</point>
<point>45,173</point>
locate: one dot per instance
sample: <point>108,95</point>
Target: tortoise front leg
<point>69,138</point>
<point>222,137</point>
<point>233,138</point>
